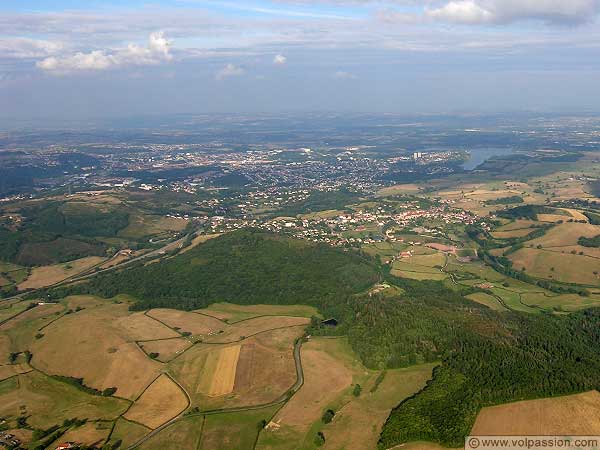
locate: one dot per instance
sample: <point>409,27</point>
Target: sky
<point>73,59</point>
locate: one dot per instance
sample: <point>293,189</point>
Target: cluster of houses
<point>9,440</point>
<point>350,228</point>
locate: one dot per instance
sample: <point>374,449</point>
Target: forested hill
<point>244,267</point>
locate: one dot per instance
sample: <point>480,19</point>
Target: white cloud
<point>28,48</point>
<point>156,52</point>
<point>461,11</point>
<point>391,16</point>
<point>230,70</point>
<point>279,60</point>
<point>507,11</point>
<point>341,75</point>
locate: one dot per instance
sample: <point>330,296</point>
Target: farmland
<point>154,370</point>
<point>232,313</point>
<point>295,420</point>
<point>161,401</point>
<point>565,267</point>
<point>219,371</point>
<point>358,423</point>
<point>569,415</point>
<point>258,371</point>
<point>49,275</point>
<point>48,402</point>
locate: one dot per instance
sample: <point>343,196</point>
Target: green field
<point>48,402</point>
<point>234,430</point>
<point>184,433</point>
<point>127,432</point>
<point>488,300</point>
<point>232,313</point>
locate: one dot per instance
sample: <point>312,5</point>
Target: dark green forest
<point>505,200</point>
<point>486,357</point>
<point>589,242</point>
<point>49,234</point>
<point>519,357</point>
<point>244,267</point>
<point>525,212</point>
<point>321,201</point>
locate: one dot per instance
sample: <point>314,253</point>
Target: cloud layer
<point>230,70</point>
<point>508,11</point>
<point>361,54</point>
<point>156,52</point>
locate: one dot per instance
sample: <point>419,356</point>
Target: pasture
<point>430,260</point>
<point>512,300</point>
<point>552,265</point>
<point>554,218</point>
<point>563,302</point>
<point>487,300</point>
<point>20,332</point>
<point>420,267</point>
<point>91,344</point>
<point>48,402</point>
<point>183,434</point>
<point>296,418</point>
<point>565,234</point>
<point>518,224</point>
<point>183,321</point>
<point>475,268</point>
<point>593,252</point>
<point>326,214</point>
<point>234,430</point>
<point>412,275</point>
<point>232,313</point>
<point>399,189</point>
<point>167,349</point>
<point>10,308</point>
<point>139,327</point>
<point>517,233</point>
<point>10,370</point>
<point>92,434</point>
<point>357,424</point>
<point>159,403</point>
<point>258,370</point>
<point>253,326</point>
<point>200,239</point>
<point>49,275</point>
<point>142,225</point>
<point>127,432</point>
<point>577,414</point>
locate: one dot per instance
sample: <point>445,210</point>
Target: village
<point>354,227</point>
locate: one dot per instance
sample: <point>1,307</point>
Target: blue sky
<point>75,59</point>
